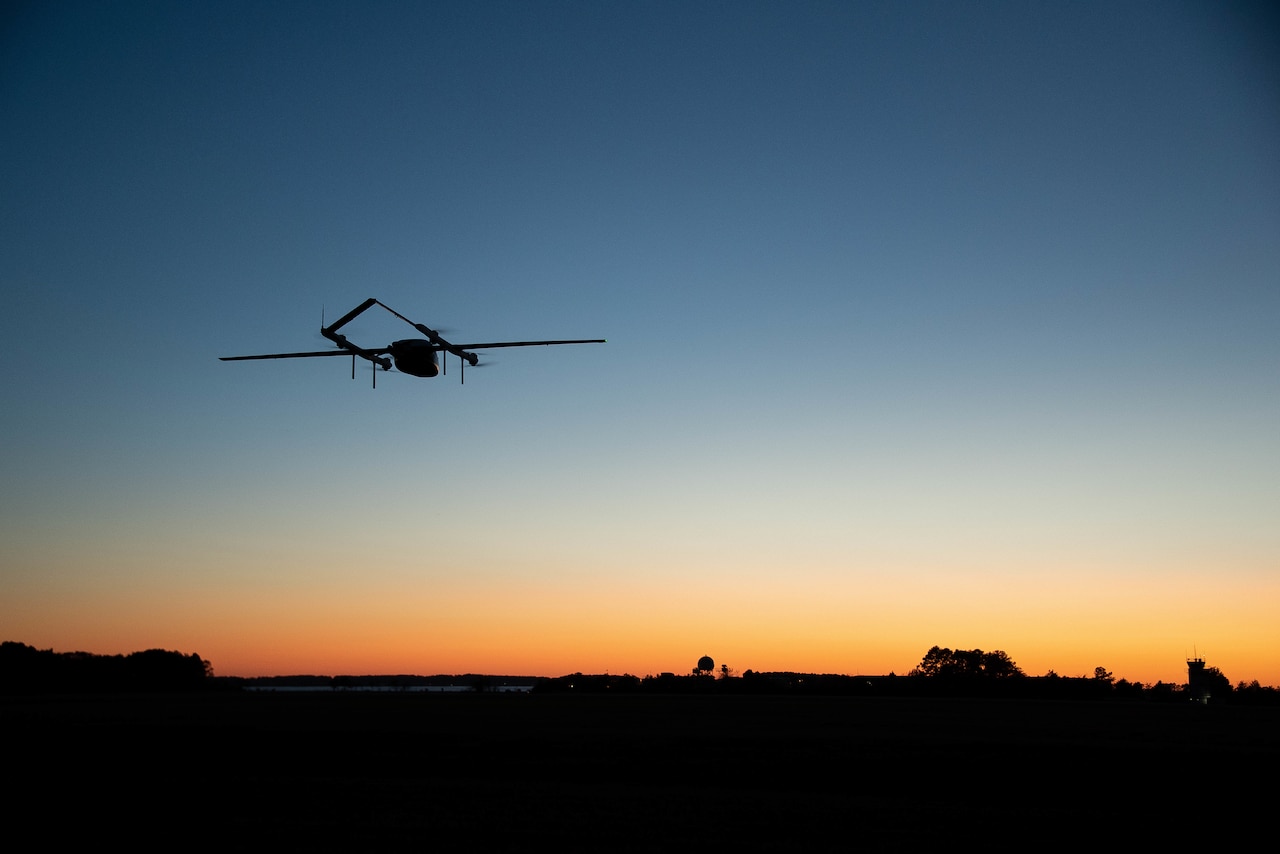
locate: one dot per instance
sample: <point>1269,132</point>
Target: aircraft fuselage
<point>416,357</point>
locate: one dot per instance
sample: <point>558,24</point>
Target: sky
<point>928,324</point>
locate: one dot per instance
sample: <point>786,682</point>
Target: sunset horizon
<point>927,324</point>
<point>403,665</point>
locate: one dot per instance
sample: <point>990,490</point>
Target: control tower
<point>1197,685</point>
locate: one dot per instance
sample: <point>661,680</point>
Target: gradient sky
<point>929,323</point>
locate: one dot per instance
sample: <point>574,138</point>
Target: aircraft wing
<point>378,352</point>
<point>492,344</point>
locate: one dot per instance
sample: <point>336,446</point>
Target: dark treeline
<point>25,669</point>
<point>942,672</point>
<point>1050,687</point>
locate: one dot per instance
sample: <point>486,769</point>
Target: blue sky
<point>928,324</point>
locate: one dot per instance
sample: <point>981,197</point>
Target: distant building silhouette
<point>1197,684</point>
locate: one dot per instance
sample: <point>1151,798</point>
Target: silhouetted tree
<point>998,665</point>
<point>1123,688</point>
<point>23,668</point>
<point>160,668</point>
<point>1214,683</point>
<point>1255,693</point>
<point>966,663</point>
<point>935,662</point>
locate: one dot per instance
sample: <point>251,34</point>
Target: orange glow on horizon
<point>549,622</point>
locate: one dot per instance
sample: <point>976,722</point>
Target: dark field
<point>634,772</point>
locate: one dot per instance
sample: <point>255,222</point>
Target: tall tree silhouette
<point>947,663</point>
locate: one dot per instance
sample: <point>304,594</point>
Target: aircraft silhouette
<point>413,356</point>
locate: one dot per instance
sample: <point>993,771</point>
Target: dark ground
<point>634,772</point>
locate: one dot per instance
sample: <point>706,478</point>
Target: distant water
<point>389,689</point>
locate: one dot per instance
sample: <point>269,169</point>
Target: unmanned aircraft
<point>413,356</point>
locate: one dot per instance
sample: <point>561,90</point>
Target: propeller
<point>463,363</point>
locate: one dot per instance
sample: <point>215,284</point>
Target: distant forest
<point>941,672</point>
<point>25,669</point>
